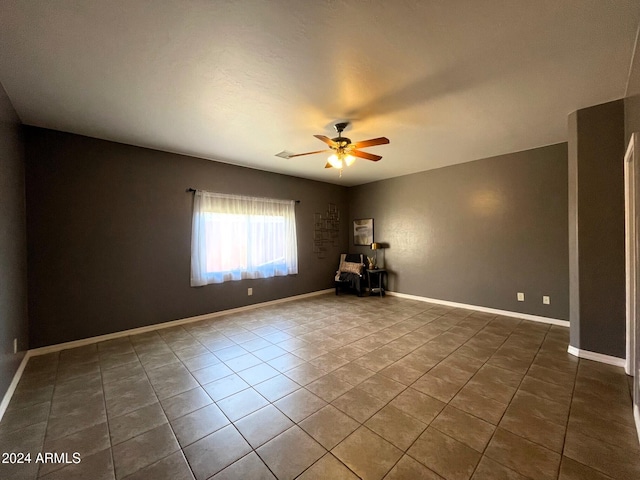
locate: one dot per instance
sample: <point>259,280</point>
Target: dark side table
<point>378,274</point>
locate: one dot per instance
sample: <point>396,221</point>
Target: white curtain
<point>235,237</point>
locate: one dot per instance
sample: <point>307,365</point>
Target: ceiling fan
<point>344,152</point>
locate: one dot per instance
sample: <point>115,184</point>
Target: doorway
<point>632,254</point>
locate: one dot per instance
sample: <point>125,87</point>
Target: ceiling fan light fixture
<point>340,160</point>
<point>335,161</point>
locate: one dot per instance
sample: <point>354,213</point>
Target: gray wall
<point>13,257</point>
<point>109,230</point>
<point>596,145</point>
<point>477,233</point>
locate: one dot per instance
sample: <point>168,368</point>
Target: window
<point>235,237</point>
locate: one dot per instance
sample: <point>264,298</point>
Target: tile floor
<point>327,388</point>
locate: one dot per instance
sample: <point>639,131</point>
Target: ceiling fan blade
<point>328,165</point>
<point>307,153</point>
<point>365,155</point>
<point>326,140</point>
<point>371,143</point>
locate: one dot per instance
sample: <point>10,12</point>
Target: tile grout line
<point>505,410</point>
<point>378,372</point>
<point>517,389</point>
<point>355,386</point>
<point>146,375</point>
<point>255,450</point>
<point>231,423</point>
<point>106,415</point>
<point>53,392</point>
<point>406,452</point>
<point>142,433</point>
<point>181,449</point>
<point>467,382</point>
<point>575,383</point>
<point>458,391</point>
<point>573,391</point>
<point>321,326</point>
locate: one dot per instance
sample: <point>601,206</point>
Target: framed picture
<point>363,231</point>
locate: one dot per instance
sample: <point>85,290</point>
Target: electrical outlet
<point>546,300</point>
<point>520,297</point>
<point>249,291</point>
<point>15,346</point>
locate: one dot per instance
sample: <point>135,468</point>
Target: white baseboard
<point>159,326</point>
<point>14,383</point>
<point>506,313</point>
<point>596,357</point>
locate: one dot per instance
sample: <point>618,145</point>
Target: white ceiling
<point>446,81</point>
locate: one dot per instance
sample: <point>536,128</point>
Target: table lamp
<point>375,247</point>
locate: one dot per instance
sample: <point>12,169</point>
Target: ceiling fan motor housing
<point>340,127</point>
<point>340,140</point>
